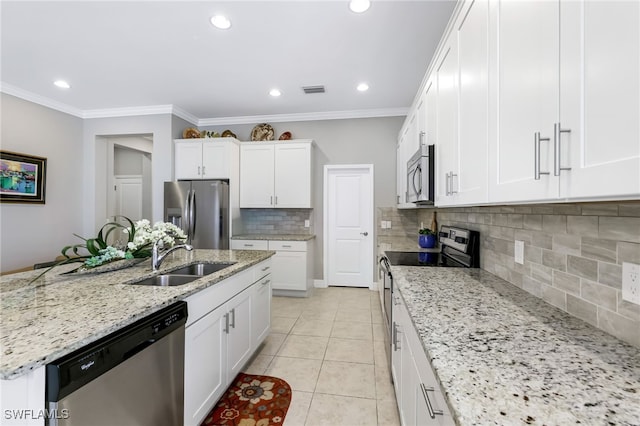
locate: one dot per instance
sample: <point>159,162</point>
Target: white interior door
<point>348,219</point>
<point>128,200</point>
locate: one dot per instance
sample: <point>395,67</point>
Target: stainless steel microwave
<point>420,176</point>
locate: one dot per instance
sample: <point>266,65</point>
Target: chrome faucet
<point>157,258</point>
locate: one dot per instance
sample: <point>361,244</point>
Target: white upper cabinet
<point>524,69</point>
<point>276,175</point>
<point>599,99</point>
<point>203,158</point>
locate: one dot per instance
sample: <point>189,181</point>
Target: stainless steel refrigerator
<point>201,209</point>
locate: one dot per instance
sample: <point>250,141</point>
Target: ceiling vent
<point>313,89</point>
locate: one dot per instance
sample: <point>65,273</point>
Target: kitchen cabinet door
<point>471,151</point>
<point>600,99</point>
<point>188,160</point>
<point>525,92</point>
<point>205,365</point>
<point>289,270</point>
<point>256,176</point>
<point>239,349</point>
<point>261,316</point>
<point>447,175</point>
<point>215,160</point>
<point>292,176</point>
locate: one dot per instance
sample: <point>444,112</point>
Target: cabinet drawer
<point>262,269</point>
<point>249,245</point>
<point>288,245</point>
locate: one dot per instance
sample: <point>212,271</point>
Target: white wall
<point>36,233</point>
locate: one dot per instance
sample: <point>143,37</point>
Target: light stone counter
<point>275,237</point>
<point>57,314</point>
<point>506,357</point>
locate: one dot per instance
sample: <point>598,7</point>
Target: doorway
<point>348,225</point>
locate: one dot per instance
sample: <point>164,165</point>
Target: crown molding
<point>179,112</point>
<point>305,116</point>
<point>40,100</point>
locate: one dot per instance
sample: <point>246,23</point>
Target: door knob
<point>364,233</point>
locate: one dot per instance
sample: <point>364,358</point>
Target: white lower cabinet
<point>227,322</point>
<point>292,272</point>
<point>420,400</point>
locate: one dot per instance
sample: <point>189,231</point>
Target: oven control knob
<point>461,240</point>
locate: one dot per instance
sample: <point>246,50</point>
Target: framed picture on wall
<point>22,178</point>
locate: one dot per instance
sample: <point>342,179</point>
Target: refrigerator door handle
<point>192,214</point>
<point>187,222</point>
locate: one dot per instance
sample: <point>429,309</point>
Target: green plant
<point>426,231</point>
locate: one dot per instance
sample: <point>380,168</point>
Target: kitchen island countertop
<point>57,314</point>
<point>504,356</point>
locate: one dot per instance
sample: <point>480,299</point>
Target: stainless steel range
<point>459,248</point>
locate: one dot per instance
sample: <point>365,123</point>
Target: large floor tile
<point>312,327</point>
<point>341,411</point>
<point>293,311</point>
<point>282,324</point>
<point>272,343</point>
<point>319,313</point>
<point>378,332</point>
<point>297,413</point>
<point>350,350</point>
<point>258,365</point>
<point>384,386</point>
<point>353,315</point>
<point>311,347</point>
<point>352,330</point>
<point>387,413</point>
<point>301,374</point>
<point>379,352</point>
<point>347,379</point>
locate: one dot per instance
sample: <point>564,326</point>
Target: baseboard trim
<point>320,284</point>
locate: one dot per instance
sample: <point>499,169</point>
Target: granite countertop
<point>275,237</point>
<point>503,356</point>
<point>57,314</point>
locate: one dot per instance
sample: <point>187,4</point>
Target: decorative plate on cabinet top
<point>285,136</point>
<point>229,134</point>
<point>262,132</point>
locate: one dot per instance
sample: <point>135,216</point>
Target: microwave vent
<point>313,89</point>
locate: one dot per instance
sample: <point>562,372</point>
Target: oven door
<point>387,296</point>
<point>414,180</point>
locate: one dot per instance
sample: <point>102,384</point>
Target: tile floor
<point>330,348</point>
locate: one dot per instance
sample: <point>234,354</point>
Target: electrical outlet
<point>307,223</point>
<point>388,224</point>
<point>631,282</point>
<point>519,252</point>
<point>383,224</point>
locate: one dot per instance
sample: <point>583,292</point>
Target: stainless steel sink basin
<point>200,269</point>
<point>167,280</point>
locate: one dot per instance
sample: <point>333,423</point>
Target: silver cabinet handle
<point>271,201</point>
<point>226,323</point>
<point>452,191</point>
<point>276,200</point>
<point>557,134</point>
<point>421,138</point>
<point>286,245</point>
<point>536,155</point>
<point>203,172</point>
<point>432,412</point>
<point>395,337</point>
<point>365,233</point>
<point>198,170</point>
<point>266,268</point>
<point>265,282</point>
<point>233,318</point>
<point>248,245</point>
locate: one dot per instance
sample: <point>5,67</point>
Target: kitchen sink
<point>200,269</point>
<point>167,280</point>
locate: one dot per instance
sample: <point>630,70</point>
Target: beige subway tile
<point>629,209</point>
<point>502,232</point>
<point>582,309</point>
<point>522,209</point>
<point>554,260</point>
<point>542,240</point>
<point>566,282</point>
<point>620,228</point>
<point>621,327</point>
<point>628,252</point>
<point>610,274</point>
<point>601,295</point>
<point>532,286</point>
<point>555,297</point>
<point>555,224</point>
<point>542,209</point>
<point>515,220</point>
<point>532,221</point>
<point>599,249</point>
<point>523,235</point>
<point>541,273</point>
<point>628,309</point>
<point>585,268</point>
<point>600,209</point>
<point>582,225</point>
<point>533,254</point>
<point>566,244</point>
<point>567,209</point>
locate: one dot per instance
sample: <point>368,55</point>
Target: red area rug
<point>252,400</point>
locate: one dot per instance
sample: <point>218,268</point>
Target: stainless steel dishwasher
<point>134,376</point>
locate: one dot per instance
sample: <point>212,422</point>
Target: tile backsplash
<point>573,253</point>
<point>276,221</point>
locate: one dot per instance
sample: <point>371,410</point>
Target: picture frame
<point>22,178</point>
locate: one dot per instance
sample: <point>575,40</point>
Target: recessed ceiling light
<point>359,6</point>
<point>275,93</point>
<point>362,87</point>
<point>62,84</point>
<point>221,22</point>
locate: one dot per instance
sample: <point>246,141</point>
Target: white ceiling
<point>123,54</point>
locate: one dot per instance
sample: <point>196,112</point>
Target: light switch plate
<point>388,224</point>
<point>383,224</point>
<point>631,282</point>
<point>307,223</point>
<point>519,252</point>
